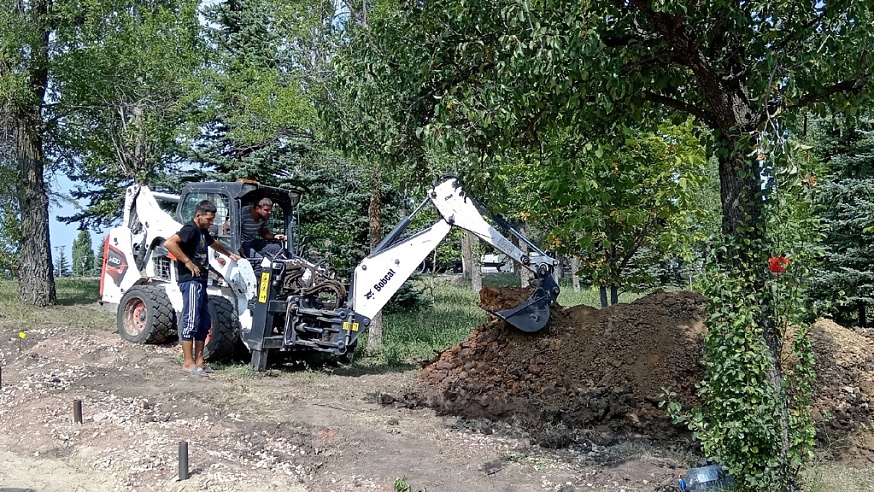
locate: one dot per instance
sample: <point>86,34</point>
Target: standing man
<point>254,232</point>
<point>189,246</point>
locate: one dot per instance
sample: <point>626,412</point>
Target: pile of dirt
<point>594,369</point>
<point>844,389</point>
<point>605,370</point>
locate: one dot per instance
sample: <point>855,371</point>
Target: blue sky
<point>63,234</point>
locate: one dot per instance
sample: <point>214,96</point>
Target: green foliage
<point>83,255</point>
<point>257,119</point>
<point>623,208</point>
<point>410,296</point>
<point>121,80</point>
<point>844,281</point>
<point>401,485</point>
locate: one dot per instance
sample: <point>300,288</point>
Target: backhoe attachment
<point>380,275</point>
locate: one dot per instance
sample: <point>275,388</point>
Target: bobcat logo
<point>384,280</point>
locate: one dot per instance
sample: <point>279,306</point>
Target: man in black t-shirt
<point>189,246</point>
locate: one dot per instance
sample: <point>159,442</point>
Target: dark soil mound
<point>589,368</point>
<point>844,390</point>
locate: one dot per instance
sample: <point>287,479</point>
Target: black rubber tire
<point>145,315</point>
<point>224,334</point>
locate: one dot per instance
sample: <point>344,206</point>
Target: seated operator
<point>254,233</point>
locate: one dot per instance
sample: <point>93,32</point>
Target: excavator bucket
<point>530,316</point>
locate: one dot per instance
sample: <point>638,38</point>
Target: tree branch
<point>680,106</point>
<point>851,86</point>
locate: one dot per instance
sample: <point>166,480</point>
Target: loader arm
<point>379,276</point>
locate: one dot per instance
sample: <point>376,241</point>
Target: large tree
<point>24,79</point>
<point>258,119</point>
<point>65,66</point>
<point>125,98</point>
<point>497,74</point>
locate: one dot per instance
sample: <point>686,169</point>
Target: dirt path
<point>291,429</point>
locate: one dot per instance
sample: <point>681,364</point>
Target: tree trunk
<point>374,234</point>
<point>466,257</point>
<point>36,283</point>
<point>575,267</point>
<point>524,274</point>
<point>603,290</point>
<point>476,272</point>
<point>863,318</point>
<point>614,294</point>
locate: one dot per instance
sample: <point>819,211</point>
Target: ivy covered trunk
<point>745,421</point>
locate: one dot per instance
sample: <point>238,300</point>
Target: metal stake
<point>183,460</point>
<point>77,411</point>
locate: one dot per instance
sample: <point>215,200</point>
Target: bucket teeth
<point>530,316</point>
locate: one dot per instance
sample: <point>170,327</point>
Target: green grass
<point>77,306</point>
<point>829,477</point>
<point>415,335</point>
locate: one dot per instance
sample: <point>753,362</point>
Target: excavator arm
<point>380,275</point>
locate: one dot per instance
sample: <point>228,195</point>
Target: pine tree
<point>845,279</point>
<point>257,120</point>
<point>62,264</point>
<point>83,255</point>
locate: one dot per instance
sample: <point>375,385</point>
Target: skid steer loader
<point>285,302</point>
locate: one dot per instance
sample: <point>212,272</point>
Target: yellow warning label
<point>350,326</point>
<point>265,284</point>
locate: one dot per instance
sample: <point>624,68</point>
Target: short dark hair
<point>205,207</point>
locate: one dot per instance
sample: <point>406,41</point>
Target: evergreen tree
<point>845,279</point>
<point>83,255</point>
<point>62,264</point>
<point>257,120</point>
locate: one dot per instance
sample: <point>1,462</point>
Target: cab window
<point>219,229</point>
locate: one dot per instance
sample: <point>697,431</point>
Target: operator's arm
<point>173,246</point>
<point>218,246</point>
<point>266,234</point>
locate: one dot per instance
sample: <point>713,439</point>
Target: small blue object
<point>711,478</point>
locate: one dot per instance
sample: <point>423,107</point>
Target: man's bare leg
<point>188,354</point>
<point>198,353</point>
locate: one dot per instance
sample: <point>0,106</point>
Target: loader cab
<point>231,198</point>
